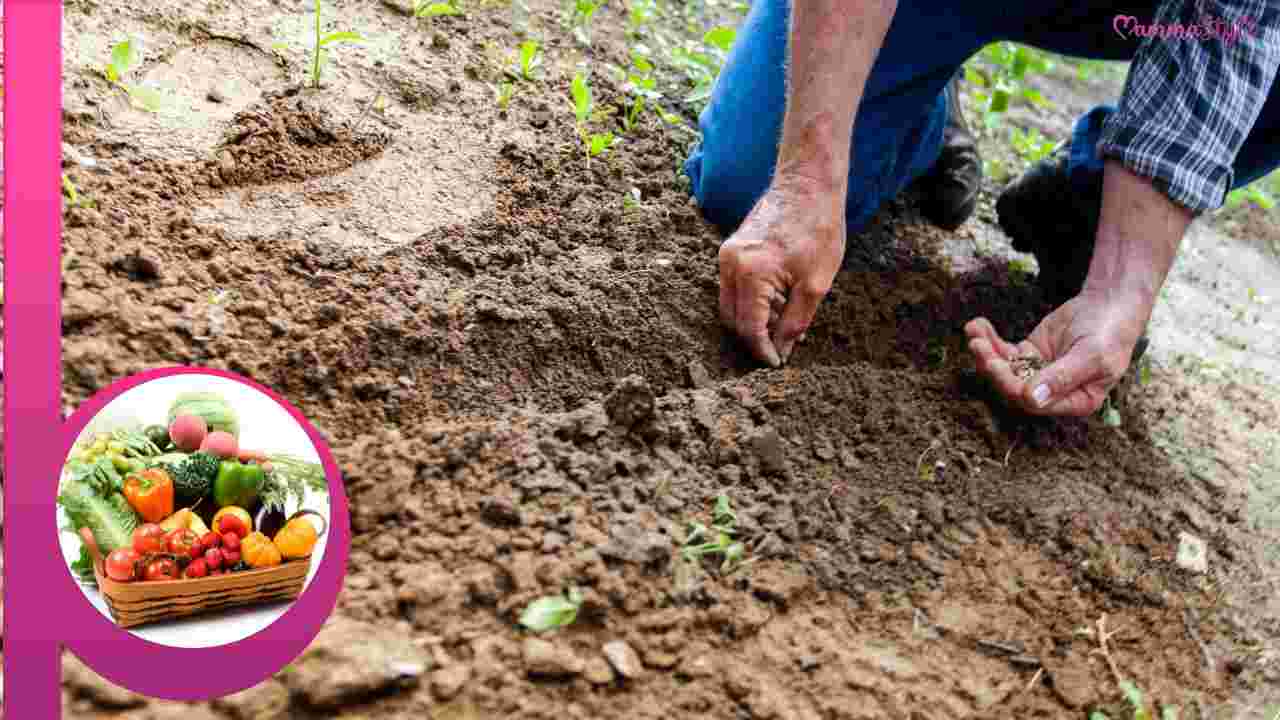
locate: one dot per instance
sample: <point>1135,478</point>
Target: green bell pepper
<point>238,484</point>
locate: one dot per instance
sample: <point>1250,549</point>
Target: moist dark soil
<point>539,396</point>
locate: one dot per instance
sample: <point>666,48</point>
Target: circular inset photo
<point>193,510</point>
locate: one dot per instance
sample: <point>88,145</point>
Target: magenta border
<point>43,607</point>
<point>32,380</point>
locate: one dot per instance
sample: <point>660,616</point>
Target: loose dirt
<point>522,376</point>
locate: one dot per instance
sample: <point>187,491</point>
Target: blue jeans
<point>898,131</point>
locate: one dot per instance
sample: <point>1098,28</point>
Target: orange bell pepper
<point>150,493</point>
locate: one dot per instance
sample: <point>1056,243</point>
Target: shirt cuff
<point>1190,177</point>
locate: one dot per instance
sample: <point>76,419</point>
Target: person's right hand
<point>779,265</point>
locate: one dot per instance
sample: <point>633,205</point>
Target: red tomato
<point>196,569</point>
<point>210,540</point>
<point>148,538</point>
<point>183,542</point>
<point>213,558</point>
<point>161,569</point>
<point>122,565</point>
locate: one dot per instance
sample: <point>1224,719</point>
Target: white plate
<point>264,425</point>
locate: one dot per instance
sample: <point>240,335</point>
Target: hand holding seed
<point>1071,360</point>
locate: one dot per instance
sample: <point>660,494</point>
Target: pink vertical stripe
<point>32,377</point>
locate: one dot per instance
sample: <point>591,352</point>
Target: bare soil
<point>526,387</point>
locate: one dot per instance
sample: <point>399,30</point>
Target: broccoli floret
<point>193,477</point>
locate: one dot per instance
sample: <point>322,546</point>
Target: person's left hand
<point>1086,345</point>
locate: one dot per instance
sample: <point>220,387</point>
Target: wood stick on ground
<point>1106,654</point>
<point>1035,679</point>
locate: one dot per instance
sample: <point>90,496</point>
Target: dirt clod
<point>547,659</point>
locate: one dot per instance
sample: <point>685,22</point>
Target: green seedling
<point>593,144</point>
<point>69,188</point>
<point>716,539</point>
<point>1250,194</point>
<point>553,611</point>
<point>583,12</point>
<point>640,14</point>
<point>504,92</point>
<point>702,66</point>
<point>642,85</point>
<point>427,9</point>
<point>530,59</point>
<point>1141,711</point>
<point>1011,64</point>
<point>123,58</point>
<point>1031,146</point>
<point>1110,416</point>
<point>1019,271</point>
<point>322,41</point>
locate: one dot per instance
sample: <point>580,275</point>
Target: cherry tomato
<point>148,538</point>
<point>122,565</point>
<point>230,541</point>
<point>213,558</point>
<point>196,569</point>
<point>161,569</point>
<point>183,542</point>
<point>210,540</point>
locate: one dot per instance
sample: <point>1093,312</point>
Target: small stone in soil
<point>623,659</point>
<point>545,659</point>
<point>501,511</point>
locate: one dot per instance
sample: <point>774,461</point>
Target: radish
<point>220,444</point>
<point>188,432</point>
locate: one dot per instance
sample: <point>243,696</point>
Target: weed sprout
<point>123,57</point>
<point>318,56</point>
<point>426,8</point>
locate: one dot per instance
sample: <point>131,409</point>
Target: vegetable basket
<point>139,603</point>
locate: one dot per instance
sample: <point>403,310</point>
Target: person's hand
<point>779,265</point>
<point>1086,343</point>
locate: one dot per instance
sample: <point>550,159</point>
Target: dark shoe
<point>1045,215</point>
<point>949,191</point>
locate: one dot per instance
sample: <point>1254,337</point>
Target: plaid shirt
<point>1189,103</point>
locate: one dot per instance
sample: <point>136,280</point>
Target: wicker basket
<point>139,603</point>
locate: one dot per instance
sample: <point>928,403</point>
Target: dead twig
<point>1103,636</point>
<point>1039,674</point>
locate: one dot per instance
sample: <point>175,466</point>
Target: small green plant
<point>1009,64</point>
<point>1141,711</point>
<point>530,59</point>
<point>1031,146</point>
<point>716,539</point>
<point>1250,194</point>
<point>583,12</point>
<point>1110,416</point>
<point>593,144</point>
<point>552,611</point>
<point>642,85</point>
<point>639,15</point>
<point>702,66</point>
<point>1019,272</point>
<point>503,94</point>
<point>428,9</point>
<point>123,58</point>
<point>322,41</point>
<point>69,188</point>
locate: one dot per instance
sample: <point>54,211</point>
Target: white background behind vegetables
<point>264,425</point>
